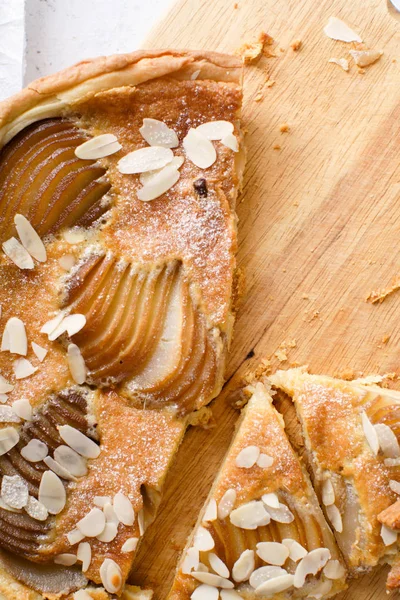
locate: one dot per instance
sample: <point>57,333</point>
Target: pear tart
<point>262,532</point>
<point>118,183</point>
<point>351,432</point>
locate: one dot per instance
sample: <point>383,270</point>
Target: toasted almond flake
<point>76,364</point>
<point>264,461</point>
<point>52,493</point>
<point>7,415</point>
<point>230,141</point>
<point>130,545</point>
<point>71,461</point>
<point>310,565</point>
<point>226,503</point>
<point>250,515</point>
<point>75,536</point>
<point>271,500</point>
<point>14,337</point>
<point>34,451</point>
<point>40,352</point>
<point>296,550</point>
<point>9,437</point>
<point>203,540</point>
<point>159,184</point>
<point>7,507</point>
<point>22,409</point>
<point>79,441</point>
<point>65,559</point>
<point>3,398</point>
<point>205,592</point>
<point>334,516</point>
<point>365,58</point>
<point>5,387</point>
<point>110,514</point>
<point>191,561</point>
<point>275,585</point>
<point>157,133</point>
<point>101,501</point>
<point>17,254</point>
<point>273,553</point>
<point>247,457</point>
<point>218,565</point>
<point>199,149</point>
<point>82,595</point>
<point>98,147</point>
<point>388,536</point>
<point>281,514</point>
<point>14,491</point>
<point>215,130</point>
<point>195,74</point>
<point>370,433</point>
<point>111,576</point>
<point>124,509</point>
<point>243,567</point>
<point>67,261</point>
<point>213,580</point>
<point>334,570</point>
<point>328,493</point>
<point>341,62</point>
<point>145,159</point>
<point>211,511</point>
<point>36,509</point>
<point>58,469</point>
<point>338,30</point>
<point>51,325</point>
<point>70,324</point>
<point>93,523</point>
<point>176,163</point>
<point>30,239</point>
<point>392,462</point>
<point>84,554</point>
<point>109,533</point>
<point>387,441</point>
<point>264,574</point>
<point>23,368</point>
<point>394,486</point>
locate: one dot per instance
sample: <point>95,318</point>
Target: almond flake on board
<point>98,147</point>
<point>365,58</point>
<point>30,238</point>
<point>341,62</point>
<point>157,133</point>
<point>18,254</point>
<point>338,30</point>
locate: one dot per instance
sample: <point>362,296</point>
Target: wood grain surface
<point>319,223</point>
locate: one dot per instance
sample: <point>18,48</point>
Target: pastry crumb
<point>203,418</point>
<point>259,96</point>
<point>296,45</point>
<point>270,83</point>
<point>305,296</point>
<point>365,58</point>
<point>346,374</point>
<point>252,51</point>
<point>236,5</point>
<point>361,71</point>
<point>284,127</point>
<point>380,295</point>
<point>276,147</point>
<point>385,339</point>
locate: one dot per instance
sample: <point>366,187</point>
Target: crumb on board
<point>346,374</point>
<point>270,83</point>
<point>282,352</point>
<point>203,418</point>
<point>258,97</point>
<point>276,147</point>
<point>305,296</point>
<point>365,58</point>
<point>361,71</point>
<point>284,127</point>
<point>385,339</point>
<point>281,355</point>
<point>296,45</point>
<point>252,51</point>
<point>380,295</point>
<point>236,5</point>
<point>341,62</point>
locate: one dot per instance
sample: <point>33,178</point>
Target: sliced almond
<point>75,536</point>
<point>82,595</point>
<point>387,441</point>
<point>176,163</point>
<point>338,30</point>
<point>275,585</point>
<point>58,469</point>
<point>98,147</point>
<point>328,493</point>
<point>394,486</point>
<point>14,337</point>
<point>79,441</point>
<point>7,415</point>
<point>203,540</point>
<point>22,409</point>
<point>195,74</point>
<point>111,576</point>
<point>341,62</point>
<point>36,509</point>
<point>247,457</point>
<point>191,561</point>
<point>7,507</point>
<point>199,149</point>
<point>52,493</point>
<point>244,566</point>
<point>264,461</point>
<point>124,509</point>
<point>34,451</point>
<point>101,501</point>
<point>76,364</point>
<point>40,352</point>
<point>70,324</point>
<point>218,565</point>
<point>157,133</point>
<point>370,433</point>
<point>67,560</point>
<point>250,515</point>
<point>215,130</point>
<point>109,533</point>
<point>205,592</point>
<point>14,491</point>
<point>23,368</point>
<point>264,574</point>
<point>296,550</point>
<point>281,515</point>
<point>145,159</point>
<point>231,142</point>
<point>71,460</point>
<point>84,554</point>
<point>211,511</point>
<point>53,323</point>
<point>271,500</point>
<point>130,545</point>
<point>159,184</point>
<point>110,514</point>
<point>3,398</point>
<point>30,239</point>
<point>5,387</point>
<point>17,254</point>
<point>67,261</point>
<point>389,536</point>
<point>9,437</point>
<point>202,568</point>
<point>334,570</point>
<point>273,553</point>
<point>392,462</point>
<point>226,504</point>
<point>310,565</point>
<point>93,523</point>
<point>334,516</point>
<point>365,58</point>
<point>141,523</point>
<point>213,580</point>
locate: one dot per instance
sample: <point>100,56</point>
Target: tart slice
<point>118,183</point>
<point>351,431</point>
<point>262,532</point>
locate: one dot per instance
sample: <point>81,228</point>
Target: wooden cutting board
<point>319,222</point>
